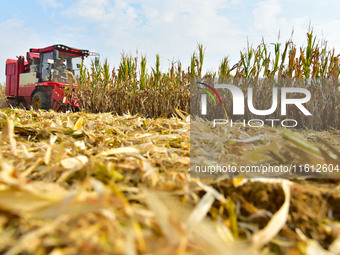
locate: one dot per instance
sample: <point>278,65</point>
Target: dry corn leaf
<point>74,163</point>
<point>276,223</point>
<point>201,210</point>
<point>11,138</point>
<point>335,245</point>
<point>122,150</point>
<point>301,143</point>
<point>49,149</point>
<point>253,139</point>
<point>23,202</point>
<point>79,124</point>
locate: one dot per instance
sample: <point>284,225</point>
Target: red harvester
<point>40,81</point>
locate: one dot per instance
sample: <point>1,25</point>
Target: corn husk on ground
<point>271,146</point>
<point>83,184</point>
<point>119,182</point>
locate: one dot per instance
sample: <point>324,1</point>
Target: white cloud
<point>91,10</point>
<point>328,29</point>
<point>171,28</point>
<point>266,14</point>
<point>328,3</point>
<point>15,40</point>
<point>131,12</point>
<point>49,3</point>
<point>236,2</point>
<point>270,22</point>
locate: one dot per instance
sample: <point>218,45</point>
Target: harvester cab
<point>40,81</point>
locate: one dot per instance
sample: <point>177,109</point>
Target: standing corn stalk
<point>130,88</point>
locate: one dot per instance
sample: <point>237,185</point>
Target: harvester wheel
<point>41,101</point>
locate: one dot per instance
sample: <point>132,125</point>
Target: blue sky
<point>171,28</point>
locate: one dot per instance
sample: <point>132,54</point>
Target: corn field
<point>286,60</point>
<point>3,101</point>
<point>152,93</point>
<point>130,88</point>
